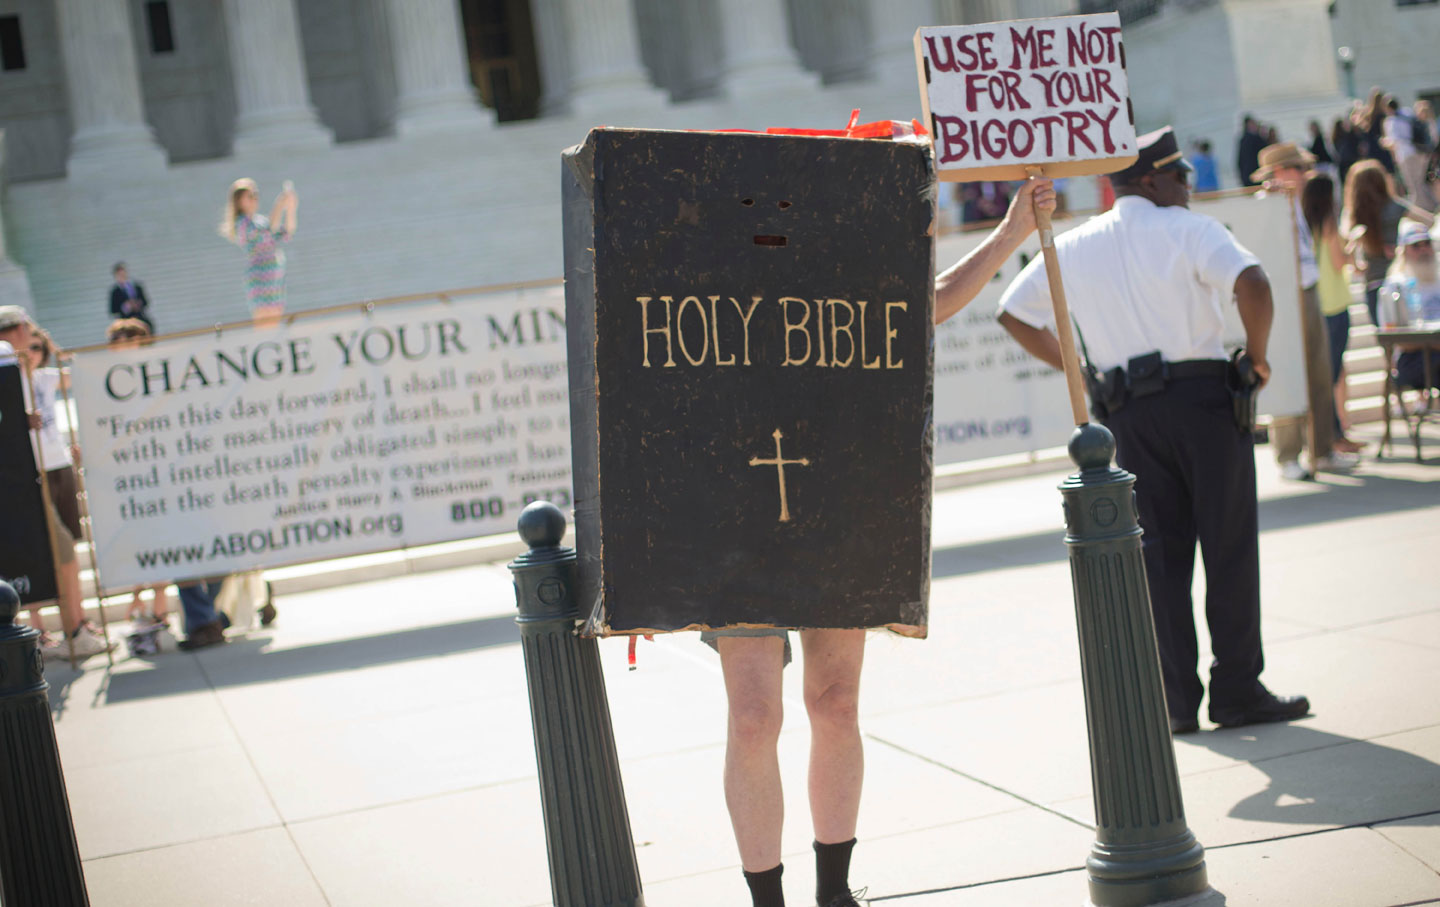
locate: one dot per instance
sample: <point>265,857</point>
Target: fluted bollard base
<point>1144,853</point>
<point>39,859</point>
<point>587,825</point>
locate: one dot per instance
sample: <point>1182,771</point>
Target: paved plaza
<point>374,747</point>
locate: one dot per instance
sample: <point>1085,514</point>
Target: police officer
<point>1147,283</point>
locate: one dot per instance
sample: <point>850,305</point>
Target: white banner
<point>415,424</point>
<point>993,399</point>
<point>333,436</point>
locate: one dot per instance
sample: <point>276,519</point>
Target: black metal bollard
<point>1144,853</point>
<point>39,859</point>
<point>587,827</point>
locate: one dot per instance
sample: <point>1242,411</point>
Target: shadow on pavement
<point>243,661</point>
<point>1328,779</point>
<point>1370,496</point>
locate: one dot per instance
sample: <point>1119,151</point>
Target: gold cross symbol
<point>780,463</point>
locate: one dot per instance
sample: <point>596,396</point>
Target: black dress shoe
<point>208,635</point>
<point>268,613</point>
<point>1184,725</point>
<point>1268,708</point>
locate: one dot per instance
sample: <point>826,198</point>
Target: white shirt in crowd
<point>1309,269</point>
<point>1395,310</point>
<point>52,447</point>
<point>1139,278</point>
<point>1398,129</point>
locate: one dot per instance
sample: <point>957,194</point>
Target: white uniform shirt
<point>1139,278</point>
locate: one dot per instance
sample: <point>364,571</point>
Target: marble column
<point>267,64</point>
<point>848,28</point>
<point>552,45</point>
<point>832,38</point>
<point>433,91</point>
<point>14,282</point>
<point>759,58</point>
<point>606,73</point>
<point>102,79</point>
<point>892,52</point>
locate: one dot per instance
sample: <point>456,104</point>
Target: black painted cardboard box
<point>750,336</point>
<point>26,560</point>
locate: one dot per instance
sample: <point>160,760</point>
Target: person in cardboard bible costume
<point>752,660</point>
<point>1147,282</point>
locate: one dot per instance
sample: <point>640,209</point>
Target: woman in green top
<point>1317,202</point>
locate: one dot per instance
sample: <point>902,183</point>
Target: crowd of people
<point>1402,140</point>
<point>1364,198</point>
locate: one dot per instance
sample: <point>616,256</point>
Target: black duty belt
<point>1196,368</point>
<point>1143,376</point>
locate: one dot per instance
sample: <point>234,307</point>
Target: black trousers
<point>1195,481</point>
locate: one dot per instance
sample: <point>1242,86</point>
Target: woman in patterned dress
<point>242,594</point>
<point>260,237</point>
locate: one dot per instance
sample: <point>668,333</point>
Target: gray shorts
<point>708,637</point>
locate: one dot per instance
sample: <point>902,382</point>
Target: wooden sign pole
<point>1063,330</point>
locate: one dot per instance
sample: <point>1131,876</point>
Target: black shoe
<point>210,634</point>
<point>1180,726</point>
<point>848,899</point>
<point>1268,708</point>
<point>268,612</point>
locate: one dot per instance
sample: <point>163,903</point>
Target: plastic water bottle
<point>1414,309</point>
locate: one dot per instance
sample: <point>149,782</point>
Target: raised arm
<point>277,211</point>
<point>1257,311</point>
<point>964,280</point>
<point>291,210</point>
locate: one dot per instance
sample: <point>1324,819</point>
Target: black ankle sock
<point>832,870</point>
<point>765,890</point>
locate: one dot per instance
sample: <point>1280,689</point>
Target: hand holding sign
<point>1006,95</point>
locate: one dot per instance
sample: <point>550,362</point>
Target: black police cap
<point>1159,151</point>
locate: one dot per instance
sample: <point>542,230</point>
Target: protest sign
<point>332,435</point>
<point>993,399</point>
<point>1004,96</point>
<point>26,559</point>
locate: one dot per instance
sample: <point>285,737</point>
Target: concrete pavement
<point>374,747</point>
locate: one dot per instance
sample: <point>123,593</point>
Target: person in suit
<point>1247,152</point>
<point>127,297</point>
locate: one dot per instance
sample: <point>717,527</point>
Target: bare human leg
<point>72,611</point>
<point>753,669</point>
<point>833,660</point>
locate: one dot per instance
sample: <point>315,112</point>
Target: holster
<point>1107,391</point>
<point>1243,383</point>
